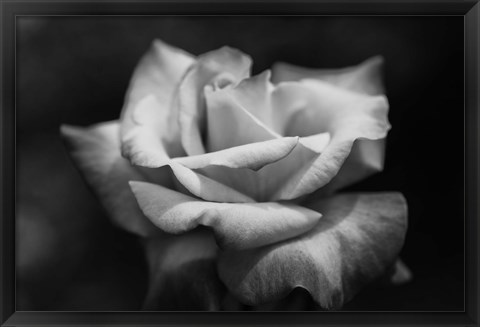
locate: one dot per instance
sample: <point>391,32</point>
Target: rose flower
<point>231,179</point>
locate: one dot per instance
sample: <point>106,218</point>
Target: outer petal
<point>182,273</point>
<point>364,78</point>
<point>149,127</point>
<point>219,68</point>
<point>358,238</point>
<point>347,117</point>
<point>365,159</point>
<point>367,156</point>
<point>235,225</point>
<point>95,150</point>
<point>145,142</point>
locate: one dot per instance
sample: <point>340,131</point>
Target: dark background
<point>75,70</point>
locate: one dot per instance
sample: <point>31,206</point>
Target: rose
<point>201,143</point>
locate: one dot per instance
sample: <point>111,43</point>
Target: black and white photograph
<point>240,163</point>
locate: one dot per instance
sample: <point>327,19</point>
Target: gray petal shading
<point>357,239</point>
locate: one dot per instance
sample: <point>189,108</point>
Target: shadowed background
<point>75,70</point>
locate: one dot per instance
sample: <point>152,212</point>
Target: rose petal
<point>364,78</point>
<point>235,225</point>
<point>316,143</point>
<point>250,156</point>
<point>219,68</point>
<point>261,109</point>
<point>367,156</point>
<point>323,107</point>
<point>95,151</point>
<point>256,96</point>
<point>358,238</point>
<point>271,174</point>
<point>148,124</point>
<point>347,117</point>
<point>142,143</point>
<point>365,159</point>
<point>230,124</point>
<point>206,188</point>
<point>182,273</point>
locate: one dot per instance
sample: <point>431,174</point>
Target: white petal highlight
<point>250,156</point>
<point>148,125</point>
<point>365,159</point>
<point>217,68</point>
<point>347,117</point>
<point>230,124</point>
<point>142,144</point>
<point>365,77</point>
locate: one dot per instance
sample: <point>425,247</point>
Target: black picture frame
<point>9,10</point>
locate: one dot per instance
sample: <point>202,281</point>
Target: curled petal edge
<point>236,225</point>
<point>358,238</point>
